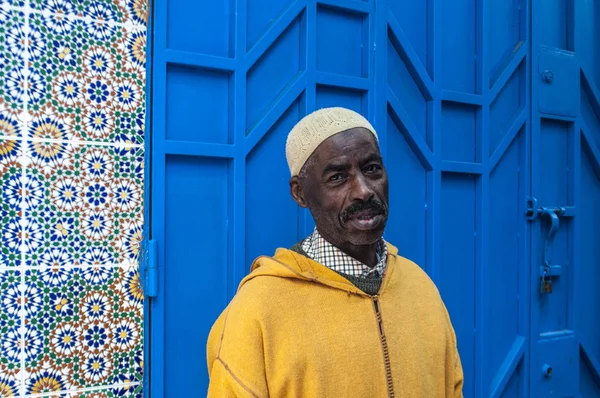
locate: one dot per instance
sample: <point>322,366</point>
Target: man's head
<point>338,173</point>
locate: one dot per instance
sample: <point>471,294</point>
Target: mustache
<point>371,204</point>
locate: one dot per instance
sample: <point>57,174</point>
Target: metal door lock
<point>545,281</point>
<point>533,210</point>
<point>548,270</point>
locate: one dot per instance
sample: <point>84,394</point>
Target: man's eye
<point>336,177</point>
<point>372,168</point>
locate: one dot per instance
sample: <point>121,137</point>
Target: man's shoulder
<point>406,265</point>
<point>255,299</point>
<point>262,286</point>
<point>411,275</point>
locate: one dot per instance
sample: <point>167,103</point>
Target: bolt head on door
<point>547,370</point>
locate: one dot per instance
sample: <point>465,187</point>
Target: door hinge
<point>149,267</point>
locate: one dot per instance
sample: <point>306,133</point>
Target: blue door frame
<point>489,118</point>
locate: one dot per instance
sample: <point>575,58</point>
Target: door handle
<point>553,213</point>
<point>548,270</point>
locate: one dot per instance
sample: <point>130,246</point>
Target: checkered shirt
<point>323,252</point>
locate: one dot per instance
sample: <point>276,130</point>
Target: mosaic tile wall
<point>71,173</point>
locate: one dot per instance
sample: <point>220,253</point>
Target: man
<point>340,314</point>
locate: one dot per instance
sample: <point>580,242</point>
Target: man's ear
<point>296,191</point>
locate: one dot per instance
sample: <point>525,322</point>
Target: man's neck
<point>366,254</point>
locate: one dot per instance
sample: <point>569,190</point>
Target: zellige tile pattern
<point>11,230</point>
<point>89,76</point>
<point>10,322</point>
<point>84,328</point>
<point>72,99</point>
<point>82,204</point>
<point>12,46</point>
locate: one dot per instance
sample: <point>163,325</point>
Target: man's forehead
<point>354,145</point>
<point>360,142</point>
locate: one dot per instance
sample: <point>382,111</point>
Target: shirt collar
<point>323,252</point>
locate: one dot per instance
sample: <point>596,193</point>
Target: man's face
<point>345,186</point>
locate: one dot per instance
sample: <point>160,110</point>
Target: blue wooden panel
<point>559,93</point>
<point>555,168</point>
<point>199,261</point>
<point>269,209</point>
<point>587,39</point>
<point>405,87</point>
<point>416,21</point>
<point>458,263</point>
<point>459,133</point>
<point>506,265</point>
<point>508,23</point>
<point>553,27</point>
<point>587,292</point>
<point>204,94</point>
<point>590,113</point>
<point>328,96</point>
<point>341,47</point>
<point>274,71</point>
<point>589,386</point>
<point>514,387</point>
<point>212,22</point>
<point>506,106</point>
<point>561,355</point>
<point>459,51</point>
<point>408,212</point>
<point>260,15</point>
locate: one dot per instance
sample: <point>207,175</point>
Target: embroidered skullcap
<point>315,128</point>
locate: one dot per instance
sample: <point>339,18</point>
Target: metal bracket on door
<point>548,270</point>
<point>148,267</point>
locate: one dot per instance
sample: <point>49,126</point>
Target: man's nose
<point>361,189</point>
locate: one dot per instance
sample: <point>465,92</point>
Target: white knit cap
<point>315,128</point>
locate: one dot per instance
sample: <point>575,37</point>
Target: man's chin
<point>363,238</point>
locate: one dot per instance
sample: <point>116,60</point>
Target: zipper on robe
<point>384,346</point>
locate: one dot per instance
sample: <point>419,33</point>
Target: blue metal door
<point>489,121</point>
<point>565,185</point>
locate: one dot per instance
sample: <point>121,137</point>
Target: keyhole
<point>547,370</point>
